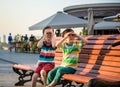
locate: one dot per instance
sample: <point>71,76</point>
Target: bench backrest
<point>96,59</point>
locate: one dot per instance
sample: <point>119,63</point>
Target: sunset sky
<point>17,15</point>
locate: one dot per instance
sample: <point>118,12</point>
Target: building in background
<point>100,10</point>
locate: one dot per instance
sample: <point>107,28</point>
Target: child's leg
<point>61,71</point>
<point>34,79</point>
<point>36,74</point>
<point>52,84</point>
<point>43,77</point>
<point>51,75</point>
<point>46,68</point>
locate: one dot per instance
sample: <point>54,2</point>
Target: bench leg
<point>67,83</point>
<point>82,84</point>
<point>21,82</point>
<point>22,74</point>
<point>70,85</point>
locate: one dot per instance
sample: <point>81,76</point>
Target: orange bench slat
<point>23,67</point>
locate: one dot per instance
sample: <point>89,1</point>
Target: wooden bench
<point>95,61</point>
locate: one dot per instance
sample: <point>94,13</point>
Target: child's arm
<point>116,44</point>
<point>53,41</point>
<point>37,64</point>
<point>40,42</point>
<point>113,45</point>
<point>83,39</point>
<point>59,44</point>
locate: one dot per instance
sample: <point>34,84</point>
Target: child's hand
<point>44,38</point>
<point>78,36</point>
<point>53,37</point>
<point>75,35</point>
<point>69,34</point>
<point>109,47</point>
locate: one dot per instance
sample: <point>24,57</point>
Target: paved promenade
<point>7,77</point>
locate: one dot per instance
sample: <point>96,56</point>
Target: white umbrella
<point>60,20</point>
<point>115,18</point>
<point>106,25</point>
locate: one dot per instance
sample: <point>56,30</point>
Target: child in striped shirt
<point>70,48</point>
<point>45,61</point>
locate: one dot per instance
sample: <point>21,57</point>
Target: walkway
<point>7,77</point>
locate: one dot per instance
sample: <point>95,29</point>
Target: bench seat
<point>24,66</point>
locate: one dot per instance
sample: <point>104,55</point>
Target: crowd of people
<point>20,38</point>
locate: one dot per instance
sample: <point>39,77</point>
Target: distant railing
<point>25,47</point>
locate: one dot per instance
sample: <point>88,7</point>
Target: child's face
<point>48,33</point>
<point>71,37</point>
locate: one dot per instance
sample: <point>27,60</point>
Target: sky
<point>16,16</point>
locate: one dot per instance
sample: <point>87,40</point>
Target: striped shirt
<point>47,53</point>
<point>70,54</point>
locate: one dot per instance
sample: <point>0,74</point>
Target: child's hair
<point>48,27</point>
<point>66,31</point>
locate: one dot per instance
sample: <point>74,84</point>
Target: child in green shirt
<point>70,48</point>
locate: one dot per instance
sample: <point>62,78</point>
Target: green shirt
<point>70,54</point>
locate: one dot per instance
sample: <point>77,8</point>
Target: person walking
<point>10,39</point>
